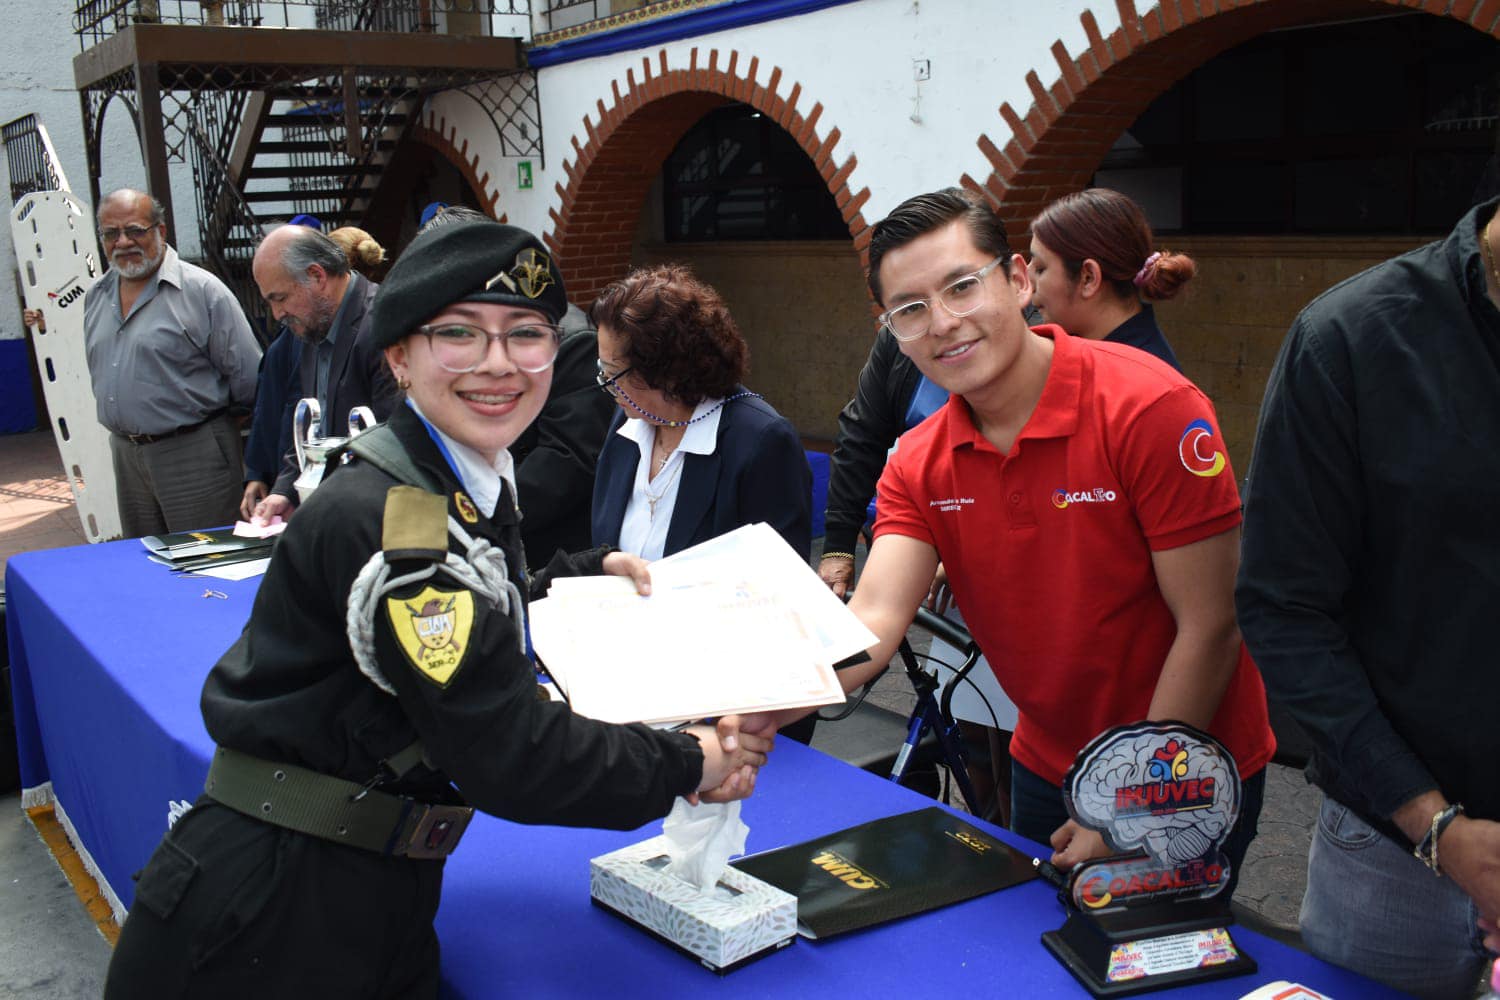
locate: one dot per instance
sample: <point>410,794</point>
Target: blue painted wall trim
<point>731,14</point>
<point>17,405</point>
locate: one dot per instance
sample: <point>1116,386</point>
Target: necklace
<point>660,449</point>
<point>1489,253</point>
<point>653,497</point>
<point>684,423</point>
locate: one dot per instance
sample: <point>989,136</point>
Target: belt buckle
<point>437,831</point>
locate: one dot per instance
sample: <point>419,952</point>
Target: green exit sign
<point>523,175</point>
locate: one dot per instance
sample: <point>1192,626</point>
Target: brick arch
<point>1057,145</point>
<point>434,132</point>
<point>626,142</point>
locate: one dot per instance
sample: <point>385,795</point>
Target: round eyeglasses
<point>461,348</point>
<point>911,320</point>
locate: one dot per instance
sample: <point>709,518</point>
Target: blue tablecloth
<point>108,654</point>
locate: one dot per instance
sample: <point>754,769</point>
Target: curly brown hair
<point>679,336</point>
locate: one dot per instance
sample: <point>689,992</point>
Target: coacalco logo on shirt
<point>433,630</point>
<point>1063,498</point>
<point>1199,450</point>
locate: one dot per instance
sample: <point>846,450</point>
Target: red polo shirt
<point>1048,548</point>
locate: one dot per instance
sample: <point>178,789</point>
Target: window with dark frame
<point>1378,126</point>
<point>737,175</point>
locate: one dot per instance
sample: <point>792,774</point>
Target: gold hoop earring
<point>403,383</point>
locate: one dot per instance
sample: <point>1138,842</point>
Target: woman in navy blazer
<point>692,452</point>
<point>720,457</point>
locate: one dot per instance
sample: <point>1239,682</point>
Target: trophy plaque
<point>1164,796</point>
<point>312,448</point>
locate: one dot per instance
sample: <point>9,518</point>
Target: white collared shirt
<point>644,529</point>
<point>480,478</point>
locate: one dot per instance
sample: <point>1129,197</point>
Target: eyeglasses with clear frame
<point>460,348</point>
<point>112,235</point>
<point>911,320</point>
<point>609,383</point>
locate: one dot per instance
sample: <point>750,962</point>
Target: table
<point>108,655</point>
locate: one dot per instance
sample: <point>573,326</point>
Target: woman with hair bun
<point>1093,261</point>
<point>365,255</point>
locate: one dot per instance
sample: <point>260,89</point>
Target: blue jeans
<point>1036,810</point>
<point>1372,907</point>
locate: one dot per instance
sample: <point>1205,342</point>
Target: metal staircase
<point>260,158</point>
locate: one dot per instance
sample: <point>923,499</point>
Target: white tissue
<point>701,839</point>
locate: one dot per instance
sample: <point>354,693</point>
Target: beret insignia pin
<point>532,272</point>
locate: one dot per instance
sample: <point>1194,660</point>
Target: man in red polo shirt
<point>1079,496</point>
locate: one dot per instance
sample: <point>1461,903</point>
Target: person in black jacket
<point>306,279</point>
<point>382,685</point>
<point>556,457</point>
<point>1367,587</point>
<point>270,437</point>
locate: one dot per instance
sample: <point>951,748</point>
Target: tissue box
<point>741,920</point>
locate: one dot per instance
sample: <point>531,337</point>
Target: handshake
<point>734,750</point>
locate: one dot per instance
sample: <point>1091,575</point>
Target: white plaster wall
<point>857,60</point>
<point>454,113</point>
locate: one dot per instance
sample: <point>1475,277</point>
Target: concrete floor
<point>36,506</point>
<point>51,950</point>
<point>49,946</point>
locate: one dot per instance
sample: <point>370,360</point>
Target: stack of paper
<point>738,624</point>
<point>201,551</point>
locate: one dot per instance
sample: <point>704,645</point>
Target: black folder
<point>888,868</point>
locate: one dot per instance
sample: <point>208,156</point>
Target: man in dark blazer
<point>306,280</point>
<point>756,472</point>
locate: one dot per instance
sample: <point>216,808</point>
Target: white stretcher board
<point>54,241</point>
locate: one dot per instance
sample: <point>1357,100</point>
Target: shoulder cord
<point>482,569</point>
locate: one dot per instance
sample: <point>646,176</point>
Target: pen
<point>1049,872</point>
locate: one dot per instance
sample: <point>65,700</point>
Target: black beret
<point>471,261</point>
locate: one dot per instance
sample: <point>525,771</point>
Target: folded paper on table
<point>737,624</point>
<point>236,570</point>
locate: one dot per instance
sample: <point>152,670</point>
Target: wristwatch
<point>1427,851</point>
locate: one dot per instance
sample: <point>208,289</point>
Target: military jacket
<point>289,690</point>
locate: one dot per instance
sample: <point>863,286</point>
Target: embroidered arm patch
<point>433,630</point>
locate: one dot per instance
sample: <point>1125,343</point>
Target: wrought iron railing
<point>32,161</point>
<point>558,14</point>
<point>96,20</point>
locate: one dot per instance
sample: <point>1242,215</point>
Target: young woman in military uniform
<point>382,683</point>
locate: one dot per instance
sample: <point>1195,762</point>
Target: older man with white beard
<point>169,353</point>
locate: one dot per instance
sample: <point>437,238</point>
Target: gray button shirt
<point>184,353</point>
